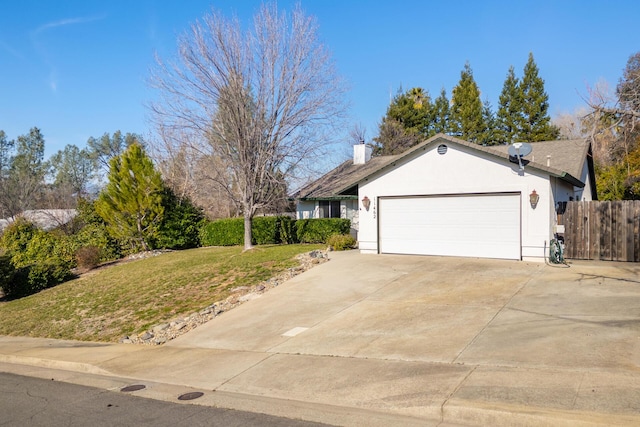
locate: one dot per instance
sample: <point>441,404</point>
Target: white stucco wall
<point>306,209</point>
<point>462,170</point>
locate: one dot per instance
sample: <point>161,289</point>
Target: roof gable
<point>567,156</point>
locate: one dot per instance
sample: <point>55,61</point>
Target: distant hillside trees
<point>22,172</point>
<point>101,150</point>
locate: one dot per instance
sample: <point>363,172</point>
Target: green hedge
<point>222,232</point>
<point>320,229</point>
<point>268,230</point>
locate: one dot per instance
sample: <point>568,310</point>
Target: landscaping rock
<point>146,336</point>
<point>164,332</point>
<point>160,328</point>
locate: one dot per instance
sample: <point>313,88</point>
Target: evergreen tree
<point>509,110</point>
<point>131,202</point>
<point>408,121</point>
<point>412,110</point>
<point>488,134</point>
<point>466,110</point>
<point>534,122</point>
<point>393,138</point>
<point>441,113</point>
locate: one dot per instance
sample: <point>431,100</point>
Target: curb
<point>84,368</point>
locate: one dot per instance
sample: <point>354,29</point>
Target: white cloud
<point>64,22</point>
<point>42,51</point>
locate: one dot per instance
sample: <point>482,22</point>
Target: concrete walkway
<point>396,340</point>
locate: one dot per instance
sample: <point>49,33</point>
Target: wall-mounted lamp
<point>533,199</point>
<point>366,202</point>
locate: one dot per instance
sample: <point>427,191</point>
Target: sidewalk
<point>297,351</point>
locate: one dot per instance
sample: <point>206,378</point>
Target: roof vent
<point>442,149</point>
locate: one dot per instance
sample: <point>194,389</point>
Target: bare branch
<point>258,104</point>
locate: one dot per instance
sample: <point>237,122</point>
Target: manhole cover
<point>134,387</point>
<point>191,396</point>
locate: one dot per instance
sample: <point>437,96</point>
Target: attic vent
<point>442,149</point>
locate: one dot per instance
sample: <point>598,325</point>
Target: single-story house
<point>449,197</point>
<point>46,219</point>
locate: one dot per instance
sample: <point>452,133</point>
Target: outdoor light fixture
<point>533,199</point>
<point>366,202</point>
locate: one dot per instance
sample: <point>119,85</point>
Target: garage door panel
<point>485,226</point>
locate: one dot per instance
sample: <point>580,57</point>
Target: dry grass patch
<point>128,298</point>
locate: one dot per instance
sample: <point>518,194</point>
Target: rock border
<point>164,332</point>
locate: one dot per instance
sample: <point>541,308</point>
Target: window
<point>329,209</point>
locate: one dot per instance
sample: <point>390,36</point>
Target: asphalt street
<point>27,401</point>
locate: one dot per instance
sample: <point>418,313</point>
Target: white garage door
<point>485,226</point>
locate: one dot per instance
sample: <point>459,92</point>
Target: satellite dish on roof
<point>518,150</point>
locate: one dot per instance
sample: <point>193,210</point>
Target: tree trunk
<point>141,237</point>
<point>247,230</point>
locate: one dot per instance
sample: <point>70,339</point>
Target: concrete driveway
<point>398,340</point>
<point>504,335</point>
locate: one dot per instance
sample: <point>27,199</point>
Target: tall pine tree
<point>408,121</point>
<point>466,109</point>
<point>131,202</point>
<point>534,122</point>
<point>488,134</point>
<point>441,113</point>
<point>509,110</point>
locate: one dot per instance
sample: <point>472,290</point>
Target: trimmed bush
<point>320,229</point>
<point>287,229</point>
<point>223,232</point>
<point>272,230</point>
<point>265,230</point>
<point>341,242</point>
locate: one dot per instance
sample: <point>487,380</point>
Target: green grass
<point>106,304</point>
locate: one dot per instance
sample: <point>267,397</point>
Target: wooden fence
<point>602,230</point>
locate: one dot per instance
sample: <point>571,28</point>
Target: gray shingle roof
<point>341,179</point>
<point>566,161</point>
<point>565,155</point>
<point>47,219</point>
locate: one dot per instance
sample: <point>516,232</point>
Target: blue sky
<point>77,69</point>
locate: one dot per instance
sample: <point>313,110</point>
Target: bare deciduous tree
<point>259,102</point>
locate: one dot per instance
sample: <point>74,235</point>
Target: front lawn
<point>109,303</point>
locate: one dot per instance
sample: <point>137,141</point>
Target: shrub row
<point>272,230</point>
